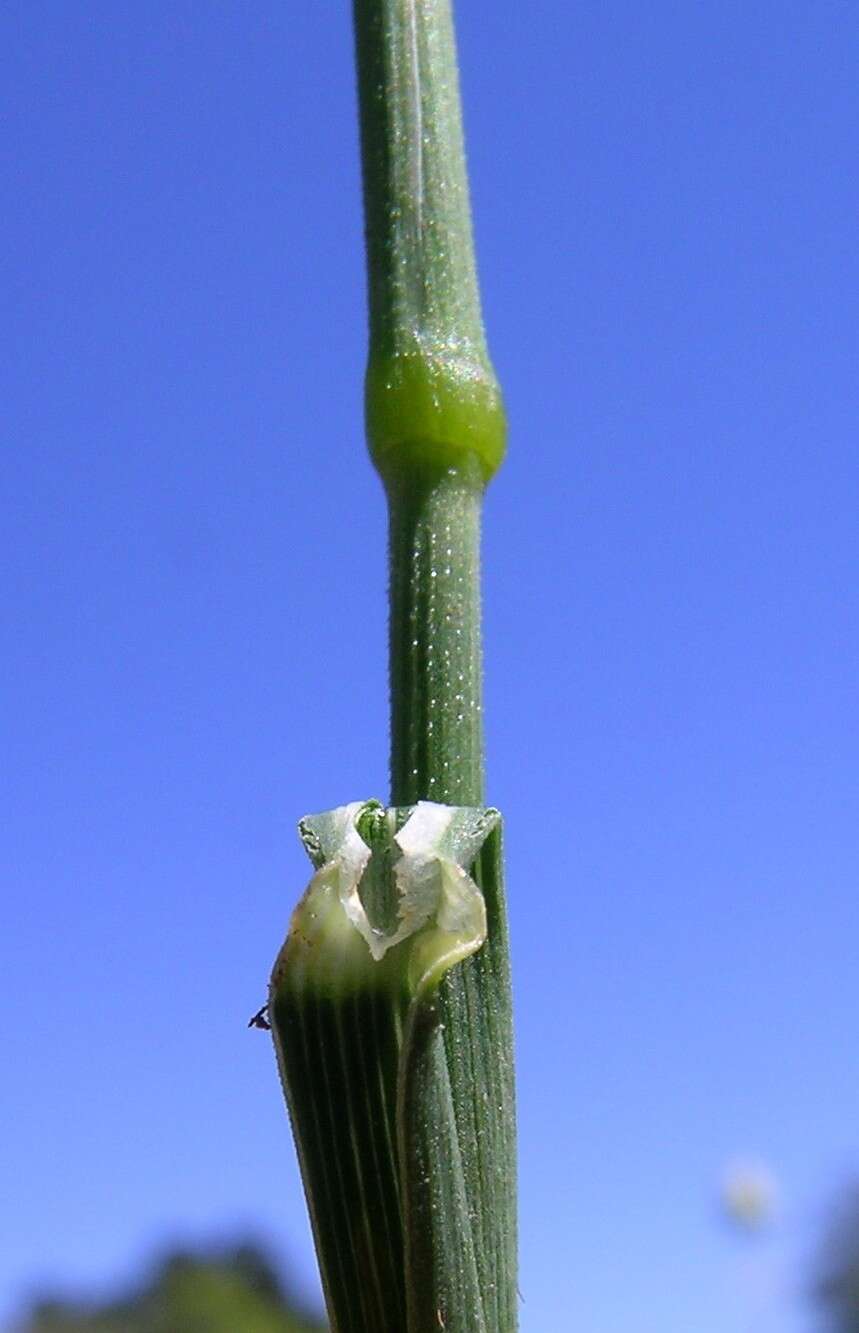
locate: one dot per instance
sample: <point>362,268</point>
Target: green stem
<point>397,1065</point>
<point>435,420</point>
<point>431,392</point>
<point>436,708</point>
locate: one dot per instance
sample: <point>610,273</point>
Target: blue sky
<point>193,576</point>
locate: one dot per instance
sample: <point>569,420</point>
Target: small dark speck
<point>260,1019</point>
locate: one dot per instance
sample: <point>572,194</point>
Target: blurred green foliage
<point>837,1286</point>
<point>232,1291</point>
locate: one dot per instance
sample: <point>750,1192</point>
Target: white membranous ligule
<point>337,939</point>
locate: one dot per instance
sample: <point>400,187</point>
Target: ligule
<point>398,1171</point>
